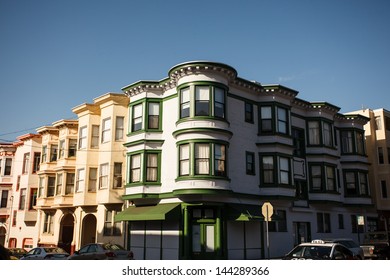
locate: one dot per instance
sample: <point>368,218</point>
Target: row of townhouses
<point>179,169</point>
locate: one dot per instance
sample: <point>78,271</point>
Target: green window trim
<point>202,100</point>
<point>145,116</point>
<point>202,159</point>
<point>145,170</point>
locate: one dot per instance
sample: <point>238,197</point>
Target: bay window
<point>275,170</point>
<point>202,159</point>
<point>144,167</point>
<point>356,183</point>
<point>320,133</point>
<point>274,119</point>
<point>322,177</point>
<point>352,142</point>
<point>203,100</point>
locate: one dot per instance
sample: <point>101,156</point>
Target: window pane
<point>95,136</point>
<point>135,175</point>
<point>119,128</point>
<point>202,95</point>
<point>185,103</point>
<point>219,156</point>
<point>151,168</point>
<point>284,171</point>
<point>106,130</point>
<point>268,169</point>
<point>137,117</point>
<point>314,133</point>
<point>184,160</point>
<point>219,102</point>
<point>202,158</point>
<point>282,120</point>
<point>153,118</point>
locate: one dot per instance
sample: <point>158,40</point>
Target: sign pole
<point>266,227</point>
<point>267,210</point>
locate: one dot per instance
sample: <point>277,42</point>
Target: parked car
<point>376,245</point>
<point>350,244</point>
<point>320,250</point>
<point>102,251</point>
<point>46,253</point>
<point>17,253</point>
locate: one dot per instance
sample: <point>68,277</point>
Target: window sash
<point>103,180</point>
<point>184,156</point>
<point>69,183</point>
<point>185,102</point>
<point>51,186</point>
<point>347,141</point>
<point>82,137</point>
<point>153,115</point>
<point>135,168</point>
<point>316,177</point>
<point>95,136</point>
<point>202,101</point>
<point>117,175</point>
<point>314,133</point>
<point>151,167</point>
<point>282,120</point>
<point>202,159</point>
<point>219,160</point>
<point>59,184</point>
<point>92,179</point>
<point>119,128</point>
<point>268,169</point>
<point>219,102</point>
<point>284,169</point>
<point>80,180</point>
<point>266,118</point>
<point>106,130</point>
<point>248,112</point>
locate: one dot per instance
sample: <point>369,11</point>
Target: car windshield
<point>112,247</point>
<point>311,252</point>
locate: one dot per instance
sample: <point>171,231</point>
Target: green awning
<point>244,212</point>
<point>168,211</point>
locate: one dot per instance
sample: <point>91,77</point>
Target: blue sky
<point>55,55</point>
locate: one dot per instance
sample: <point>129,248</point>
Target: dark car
<point>102,251</point>
<point>46,253</point>
<point>376,245</point>
<point>320,251</point>
<point>17,253</point>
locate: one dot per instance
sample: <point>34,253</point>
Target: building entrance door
<point>302,232</point>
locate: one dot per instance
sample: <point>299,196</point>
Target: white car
<point>320,250</point>
<point>350,244</point>
<point>46,253</point>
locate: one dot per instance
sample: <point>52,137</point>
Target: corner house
<point>206,149</point>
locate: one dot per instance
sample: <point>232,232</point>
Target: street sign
<point>267,210</point>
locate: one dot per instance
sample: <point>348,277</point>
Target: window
<point>301,189</point>
<point>314,132</point>
<point>48,223</point>
<point>268,169</point>
<point>219,160</point>
<point>202,159</point>
<point>59,184</point>
<point>323,223</point>
<point>36,163</point>
<point>185,102</point>
<point>250,163</point>
<point>4,199</point>
<point>322,177</point>
<point>380,155</point>
<point>316,177</point>
<point>111,228</point>
<point>44,153</point>
<point>330,178</point>
<point>282,120</point>
<point>341,221</point>
<point>151,167</point>
<point>378,123</point>
<point>117,175</point>
<point>83,137</point>
<point>26,162</point>
<point>135,168</point>
<point>384,189</point>
<point>327,134</point>
<point>14,218</point>
<point>61,152</point>
<point>209,101</point>
<point>284,170</point>
<point>352,142</point>
<point>266,119</point>
<point>95,136</point>
<point>41,186</point>
<point>153,115</point>
<point>137,118</point>
<point>202,100</point>
<point>92,179</point>
<point>69,183</point>
<point>103,176</point>
<point>298,142</point>
<point>106,130</point>
<point>275,170</point>
<point>356,183</point>
<point>33,198</point>
<point>51,181</point>
<point>18,182</point>
<point>53,152</point>
<point>8,166</point>
<point>72,147</point>
<point>184,165</point>
<point>119,128</point>
<point>219,102</point>
<point>80,180</point>
<point>249,112</point>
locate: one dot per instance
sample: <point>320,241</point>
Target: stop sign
<point>267,210</point>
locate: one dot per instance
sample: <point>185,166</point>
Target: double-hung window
<point>80,180</point>
<point>59,184</point>
<point>26,162</point>
<point>275,170</point>
<point>51,185</point>
<point>119,128</point>
<point>103,176</point>
<point>117,175</point>
<point>136,124</point>
<point>53,152</point>
<point>184,158</point>
<point>202,159</point>
<point>106,130</point>
<point>95,136</point>
<point>266,119</point>
<point>314,132</point>
<point>249,112</point>
<point>61,149</point>
<point>356,183</point>
<point>185,102</point>
<point>320,133</point>
<point>144,167</point>
<point>250,163</point>
<point>69,183</point>
<point>352,142</point>
<point>8,166</point>
<point>322,177</point>
<point>274,119</point>
<point>153,115</point>
<point>202,100</point>
<point>83,137</point>
<point>135,168</point>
